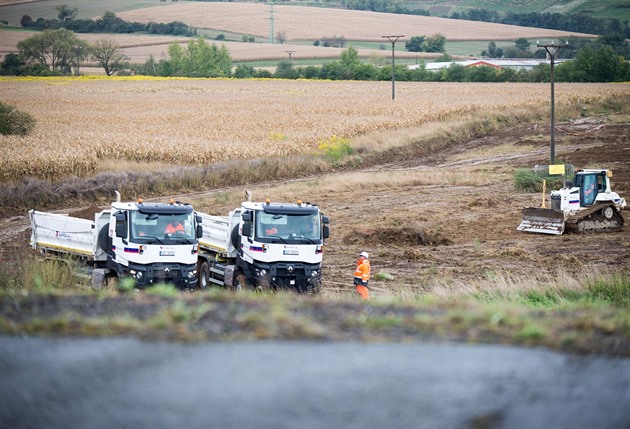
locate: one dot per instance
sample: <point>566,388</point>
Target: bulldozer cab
<point>590,185</point>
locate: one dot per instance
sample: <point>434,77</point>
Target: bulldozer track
<point>592,220</point>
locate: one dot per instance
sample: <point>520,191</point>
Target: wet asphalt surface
<point>127,383</point>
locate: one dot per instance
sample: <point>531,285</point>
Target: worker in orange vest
<point>362,275</point>
<point>174,227</point>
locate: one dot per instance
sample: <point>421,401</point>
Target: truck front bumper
<point>303,278</point>
<point>181,275</point>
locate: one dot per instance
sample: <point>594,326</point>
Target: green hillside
<point>619,9</point>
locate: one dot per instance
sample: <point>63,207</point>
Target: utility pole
<point>290,53</point>
<point>271,19</point>
<point>552,50</point>
<point>393,39</point>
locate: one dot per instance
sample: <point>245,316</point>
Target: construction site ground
<point>427,234</point>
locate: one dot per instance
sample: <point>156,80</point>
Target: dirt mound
<point>87,213</point>
<point>406,235</point>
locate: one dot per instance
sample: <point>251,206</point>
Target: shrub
<point>526,180</point>
<point>335,148</point>
<point>13,121</point>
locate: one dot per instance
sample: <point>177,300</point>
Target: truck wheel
<point>240,283</point>
<point>104,240</point>
<point>204,275</point>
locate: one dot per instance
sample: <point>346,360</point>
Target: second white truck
<point>264,245</point>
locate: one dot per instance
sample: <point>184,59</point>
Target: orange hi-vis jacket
<point>172,229</point>
<point>363,270</point>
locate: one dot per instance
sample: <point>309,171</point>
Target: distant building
<point>516,64</point>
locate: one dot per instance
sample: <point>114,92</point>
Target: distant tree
<point>522,43</point>
<point>415,44</point>
<point>244,71</point>
<point>434,43</point>
<point>66,13</point>
<point>617,42</point>
<point>82,51</point>
<point>26,21</point>
<point>281,37</point>
<point>108,55</point>
<point>199,58</point>
<point>56,49</point>
<point>350,57</point>
<point>11,65</point>
<point>285,70</point>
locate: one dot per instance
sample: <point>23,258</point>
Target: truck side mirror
<point>121,224</point>
<point>198,218</point>
<point>199,231</point>
<point>247,217</point>
<point>247,229</point>
<point>326,220</point>
<point>326,231</point>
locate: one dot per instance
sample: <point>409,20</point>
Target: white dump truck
<point>264,245</point>
<point>149,242</point>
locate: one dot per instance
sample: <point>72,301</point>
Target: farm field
<point>85,125</point>
<point>307,23</point>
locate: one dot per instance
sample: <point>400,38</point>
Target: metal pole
<point>552,51</point>
<point>393,39</point>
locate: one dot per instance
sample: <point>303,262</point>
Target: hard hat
<point>366,255</point>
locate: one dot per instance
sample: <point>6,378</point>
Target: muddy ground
<point>420,234</point>
<point>461,233</point>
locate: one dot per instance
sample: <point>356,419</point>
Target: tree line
<point>59,52</point>
<point>108,23</point>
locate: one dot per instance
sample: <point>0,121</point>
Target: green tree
<point>434,43</point>
<point>11,65</point>
<point>285,70</point>
<point>350,57</point>
<point>26,21</point>
<point>56,49</point>
<point>108,55</point>
<point>522,43</point>
<point>415,44</point>
<point>66,13</point>
<point>200,59</point>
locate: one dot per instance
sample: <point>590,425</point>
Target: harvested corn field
<point>84,122</point>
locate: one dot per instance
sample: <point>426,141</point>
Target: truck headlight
<point>314,273</point>
<point>137,274</point>
<point>192,274</point>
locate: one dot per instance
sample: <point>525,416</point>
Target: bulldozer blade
<point>542,221</point>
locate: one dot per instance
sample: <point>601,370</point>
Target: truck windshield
<point>154,227</point>
<point>288,227</point>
